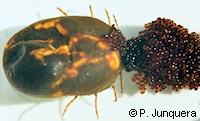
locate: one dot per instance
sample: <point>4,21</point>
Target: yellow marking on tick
<point>51,24</point>
<point>38,26</point>
<point>61,29</point>
<point>46,25</point>
<point>112,59</point>
<point>80,62</point>
<point>96,60</point>
<point>93,38</point>
<point>58,82</point>
<point>102,44</point>
<point>71,72</point>
<point>6,46</point>
<point>58,94</point>
<point>63,50</point>
<point>49,41</point>
<point>72,41</point>
<point>42,52</point>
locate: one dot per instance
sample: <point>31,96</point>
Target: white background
<point>131,16</point>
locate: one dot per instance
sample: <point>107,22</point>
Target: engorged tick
<point>70,55</point>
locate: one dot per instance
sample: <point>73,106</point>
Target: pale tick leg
<point>69,104</point>
<point>95,104</point>
<point>115,93</point>
<point>121,82</point>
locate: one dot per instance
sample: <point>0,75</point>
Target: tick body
<point>63,56</point>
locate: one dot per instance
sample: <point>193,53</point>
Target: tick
<point>62,56</point>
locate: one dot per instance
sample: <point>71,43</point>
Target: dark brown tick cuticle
<point>70,55</point>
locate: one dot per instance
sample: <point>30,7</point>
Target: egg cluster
<point>117,40</point>
<point>164,54</point>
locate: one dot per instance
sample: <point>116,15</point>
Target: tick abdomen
<point>62,56</point>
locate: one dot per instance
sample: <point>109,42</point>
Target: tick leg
<point>121,82</point>
<point>96,108</point>
<point>62,11</point>
<point>69,104</point>
<point>115,93</point>
<point>115,21</point>
<point>91,12</point>
<point>109,23</point>
<point>27,110</point>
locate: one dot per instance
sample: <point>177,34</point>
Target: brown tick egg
<point>71,55</point>
<point>165,54</point>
